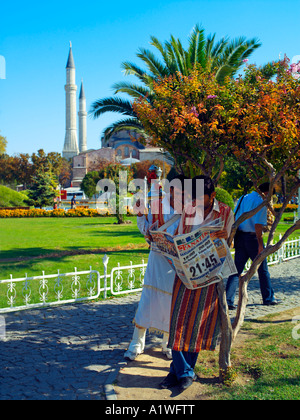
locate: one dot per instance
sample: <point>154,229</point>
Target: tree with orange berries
<point>253,118</point>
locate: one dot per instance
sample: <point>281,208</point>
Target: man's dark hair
<point>181,178</point>
<point>265,187</point>
<point>209,187</point>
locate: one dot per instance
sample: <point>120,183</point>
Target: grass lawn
<point>31,246</point>
<point>48,244</point>
<point>42,236</point>
<point>265,360</point>
<point>35,245</point>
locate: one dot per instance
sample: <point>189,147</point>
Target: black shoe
<point>170,381</point>
<point>273,303</point>
<point>231,307</point>
<point>185,383</point>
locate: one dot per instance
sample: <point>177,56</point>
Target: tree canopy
<point>43,190</point>
<point>253,118</point>
<point>20,169</point>
<point>3,143</point>
<point>221,58</point>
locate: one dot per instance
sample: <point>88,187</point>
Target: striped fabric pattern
<point>195,321</point>
<point>195,318</point>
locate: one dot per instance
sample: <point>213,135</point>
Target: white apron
<point>154,308</point>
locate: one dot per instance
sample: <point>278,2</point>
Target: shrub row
<point>51,213</point>
<point>290,208</point>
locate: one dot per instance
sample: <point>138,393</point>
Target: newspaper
<point>198,259</point>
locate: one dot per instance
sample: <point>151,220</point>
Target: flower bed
<point>81,212</point>
<point>290,208</point>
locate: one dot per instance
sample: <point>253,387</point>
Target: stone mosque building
<point>122,147</point>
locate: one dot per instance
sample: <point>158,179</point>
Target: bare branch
<point>281,211</point>
<point>244,217</point>
<point>244,279</point>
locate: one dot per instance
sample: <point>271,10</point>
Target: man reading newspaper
<point>195,322</point>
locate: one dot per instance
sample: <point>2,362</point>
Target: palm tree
<point>222,58</point>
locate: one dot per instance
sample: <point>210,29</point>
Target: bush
<point>288,219</point>
<point>11,198</point>
<point>290,208</point>
<point>52,213</point>
<point>82,213</point>
<point>224,197</point>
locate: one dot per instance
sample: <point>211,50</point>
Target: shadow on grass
<point>18,255</point>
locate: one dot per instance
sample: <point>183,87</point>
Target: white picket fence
<point>290,250</point>
<point>78,286</point>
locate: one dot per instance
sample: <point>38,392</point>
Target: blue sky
<point>34,41</point>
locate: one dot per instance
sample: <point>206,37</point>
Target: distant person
<point>73,201</point>
<point>249,243</point>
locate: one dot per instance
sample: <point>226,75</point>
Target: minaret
<point>71,146</point>
<point>82,120</point>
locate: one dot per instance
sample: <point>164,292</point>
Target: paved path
<point>75,351</point>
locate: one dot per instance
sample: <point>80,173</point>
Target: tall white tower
<point>70,146</point>
<point>82,120</point>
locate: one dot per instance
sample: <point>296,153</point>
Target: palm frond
<point>217,52</point>
<point>232,57</point>
<point>223,72</point>
<point>112,104</point>
<point>134,70</point>
<point>169,63</point>
<point>133,90</point>
<point>237,50</point>
<point>268,70</point>
<point>154,65</point>
<point>250,47</point>
<point>176,55</point>
<point>196,50</point>
<point>127,124</point>
<point>181,55</point>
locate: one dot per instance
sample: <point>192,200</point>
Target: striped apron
<point>195,318</point>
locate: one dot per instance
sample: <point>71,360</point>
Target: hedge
<point>51,213</point>
<point>290,208</point>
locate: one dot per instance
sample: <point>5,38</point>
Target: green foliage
<point>235,179</point>
<point>224,197</point>
<point>221,59</point>
<point>19,169</point>
<point>89,183</point>
<point>3,144</point>
<point>11,198</point>
<point>111,172</point>
<point>43,190</point>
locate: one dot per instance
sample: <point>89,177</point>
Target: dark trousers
<point>246,246</point>
<point>183,364</point>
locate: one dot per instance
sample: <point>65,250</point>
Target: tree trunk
<point>226,334</point>
<point>241,309</point>
<point>245,278</point>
